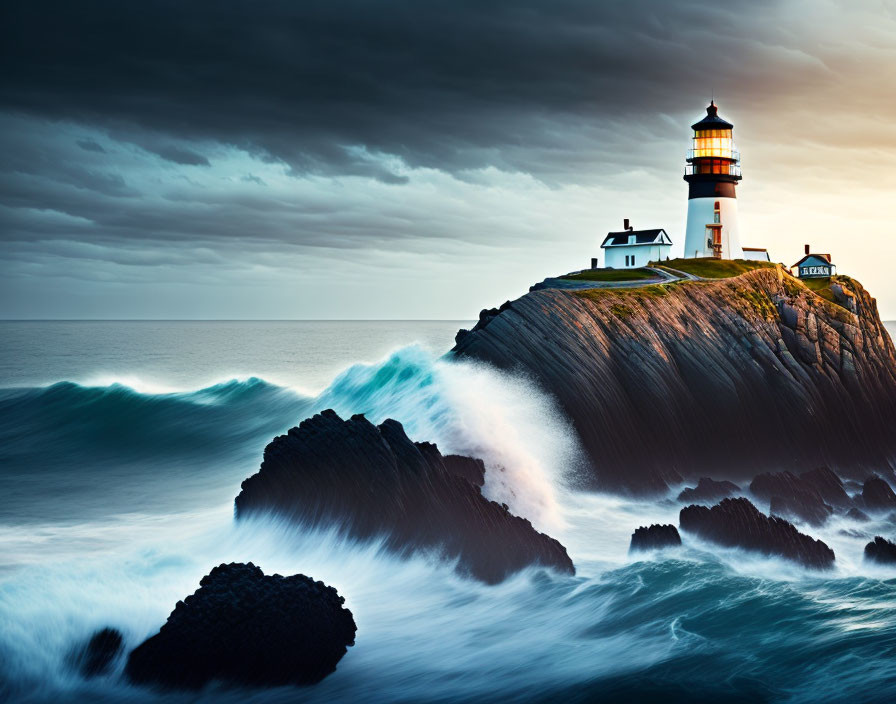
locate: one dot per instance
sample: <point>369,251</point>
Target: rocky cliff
<point>721,378</point>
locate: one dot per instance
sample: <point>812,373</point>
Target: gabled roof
<point>642,237</point>
<point>820,257</point>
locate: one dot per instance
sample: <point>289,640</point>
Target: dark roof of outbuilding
<point>825,257</point>
<point>712,121</point>
<point>641,237</point>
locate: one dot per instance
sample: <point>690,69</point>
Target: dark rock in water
<point>655,537</point>
<point>708,490</point>
<point>796,508</point>
<point>655,378</point>
<point>96,656</point>
<point>471,469</point>
<point>828,485</point>
<point>738,523</point>
<point>371,481</point>
<point>877,494</point>
<point>245,628</point>
<point>792,497</point>
<point>857,514</point>
<point>881,550</point>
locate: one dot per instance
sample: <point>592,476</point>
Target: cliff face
<point>725,378</point>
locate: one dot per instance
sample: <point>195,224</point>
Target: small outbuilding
<point>759,254</point>
<point>814,266</point>
<point>632,248</point>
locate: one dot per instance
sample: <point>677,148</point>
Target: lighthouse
<point>712,170</point>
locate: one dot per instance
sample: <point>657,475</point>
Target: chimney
<point>807,249</point>
<point>625,225</point>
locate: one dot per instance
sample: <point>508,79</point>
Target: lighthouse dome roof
<point>712,121</point>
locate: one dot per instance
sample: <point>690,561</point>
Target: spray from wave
<point>700,624</point>
<point>470,409</point>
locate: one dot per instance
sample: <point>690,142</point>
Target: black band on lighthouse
<point>708,189</point>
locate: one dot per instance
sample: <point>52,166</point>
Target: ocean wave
<point>673,627</point>
<point>529,449</point>
<point>69,422</point>
<point>696,624</point>
<point>72,453</point>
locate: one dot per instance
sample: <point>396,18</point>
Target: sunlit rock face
<point>369,481</point>
<point>711,378</point>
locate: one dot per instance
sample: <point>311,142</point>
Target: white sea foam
<point>468,408</point>
<point>424,633</point>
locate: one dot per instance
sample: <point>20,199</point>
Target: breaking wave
<point>118,501</point>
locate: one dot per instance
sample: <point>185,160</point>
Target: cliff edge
<point>721,378</point>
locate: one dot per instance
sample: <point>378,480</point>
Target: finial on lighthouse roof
<point>712,121</point>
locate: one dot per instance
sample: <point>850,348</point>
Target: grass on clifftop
<point>821,287</point>
<point>612,275</point>
<point>709,268</point>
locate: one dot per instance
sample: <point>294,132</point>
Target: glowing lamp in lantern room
<point>712,170</point>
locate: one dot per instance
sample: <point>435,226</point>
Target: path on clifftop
<point>663,277</point>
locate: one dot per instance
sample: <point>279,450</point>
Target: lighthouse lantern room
<point>712,171</point>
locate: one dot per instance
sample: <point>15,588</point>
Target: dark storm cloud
<point>449,85</point>
<point>230,144</point>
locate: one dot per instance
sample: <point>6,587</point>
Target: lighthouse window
<point>713,143</point>
<point>717,213</point>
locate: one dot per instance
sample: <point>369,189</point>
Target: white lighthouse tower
<point>712,172</point>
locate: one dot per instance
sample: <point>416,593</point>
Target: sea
<point>123,445</point>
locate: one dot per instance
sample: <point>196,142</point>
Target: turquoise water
<point>123,444</point>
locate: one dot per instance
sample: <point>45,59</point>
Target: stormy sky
<point>385,159</point>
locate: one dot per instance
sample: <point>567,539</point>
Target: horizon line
<point>235,320</point>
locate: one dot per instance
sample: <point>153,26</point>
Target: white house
<point>814,266</point>
<point>633,248</point>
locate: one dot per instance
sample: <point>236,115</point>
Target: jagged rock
<point>95,657</point>
<point>791,496</point>
<point>708,490</point>
<point>877,494</point>
<point>857,514</point>
<point>738,523</point>
<point>881,550</point>
<point>796,508</point>
<point>245,628</point>
<point>828,485</point>
<point>655,537</point>
<point>844,297</point>
<point>473,470</point>
<point>656,380</point>
<point>371,481</point>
